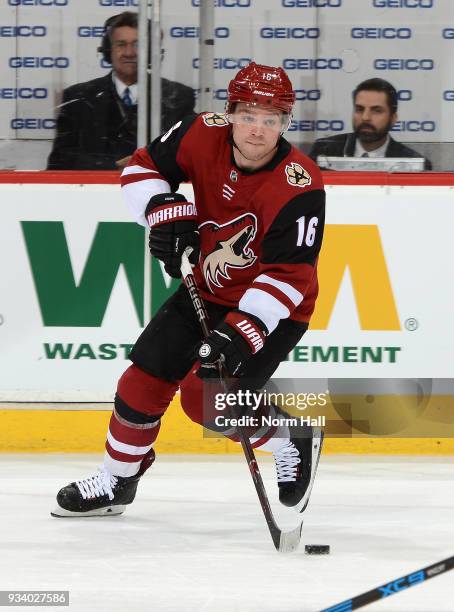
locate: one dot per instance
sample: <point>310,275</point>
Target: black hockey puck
<point>317,549</point>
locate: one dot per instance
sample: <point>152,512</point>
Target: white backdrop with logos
<point>327,47</point>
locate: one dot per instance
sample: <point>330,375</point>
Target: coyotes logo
<point>297,175</point>
<point>227,246</point>
<point>216,119</point>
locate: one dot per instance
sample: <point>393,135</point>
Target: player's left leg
<point>296,450</point>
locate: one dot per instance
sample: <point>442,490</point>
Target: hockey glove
<point>233,342</point>
<point>173,227</point>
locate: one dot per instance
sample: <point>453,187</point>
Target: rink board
<point>80,430</point>
<point>73,301</point>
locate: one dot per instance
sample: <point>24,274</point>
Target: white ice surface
<point>195,540</point>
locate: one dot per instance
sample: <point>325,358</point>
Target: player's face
<point>256,131</point>
<point>372,118</point>
<point>124,54</point>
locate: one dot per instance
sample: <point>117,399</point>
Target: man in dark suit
<point>374,114</point>
<point>97,123</point>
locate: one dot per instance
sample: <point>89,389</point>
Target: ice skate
<point>296,466</point>
<point>100,495</point>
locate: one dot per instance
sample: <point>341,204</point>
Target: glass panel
<point>327,48</point>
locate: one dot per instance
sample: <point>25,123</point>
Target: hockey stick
<point>393,587</point>
<point>283,541</point>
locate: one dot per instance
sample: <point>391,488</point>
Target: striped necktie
<point>126,97</point>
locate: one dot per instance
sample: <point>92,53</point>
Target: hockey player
<point>256,228</point>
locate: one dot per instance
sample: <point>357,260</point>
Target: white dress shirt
<point>120,87</point>
<point>380,152</point>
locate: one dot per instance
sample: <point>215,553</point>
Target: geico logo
<point>30,123</point>
<point>38,2</point>
<point>226,3</point>
<point>404,95</point>
<point>226,63</point>
<point>290,32</point>
<point>448,95</point>
<point>308,94</point>
<point>380,33</point>
<point>403,3</point>
<point>448,33</point>
<point>414,126</point>
<point>311,3</point>
<point>403,64</point>
<point>118,2</point>
<point>320,63</point>
<point>319,125</point>
<point>38,62</point>
<point>90,31</point>
<point>220,94</point>
<point>23,93</point>
<point>193,32</point>
<point>14,31</point>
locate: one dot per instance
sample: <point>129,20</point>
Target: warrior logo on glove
<point>228,247</point>
<point>171,212</point>
<point>233,343</point>
<point>173,227</point>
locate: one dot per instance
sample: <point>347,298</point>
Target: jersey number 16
<point>306,235</point>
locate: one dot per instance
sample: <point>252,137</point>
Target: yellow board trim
<point>84,431</point>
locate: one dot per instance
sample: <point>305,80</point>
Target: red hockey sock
<point>140,402</point>
<point>127,444</point>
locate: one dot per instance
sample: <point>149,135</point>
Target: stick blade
<point>289,540</point>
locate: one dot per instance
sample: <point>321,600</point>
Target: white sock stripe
<point>129,449</point>
<point>121,468</point>
<point>290,291</point>
<point>272,445</point>
<point>260,433</point>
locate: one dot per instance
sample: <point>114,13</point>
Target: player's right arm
<point>148,185</point>
<point>153,170</point>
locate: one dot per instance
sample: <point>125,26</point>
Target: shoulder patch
<point>297,175</point>
<point>215,119</point>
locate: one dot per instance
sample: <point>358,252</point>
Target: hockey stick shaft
<point>393,587</point>
<point>283,542</point>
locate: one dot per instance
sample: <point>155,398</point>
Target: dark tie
<point>126,97</point>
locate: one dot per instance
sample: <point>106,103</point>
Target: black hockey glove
<point>233,342</point>
<point>173,227</point>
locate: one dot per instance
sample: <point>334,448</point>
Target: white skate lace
<point>98,485</point>
<point>287,459</point>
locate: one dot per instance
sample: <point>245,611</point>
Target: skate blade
<point>316,452</point>
<point>109,511</point>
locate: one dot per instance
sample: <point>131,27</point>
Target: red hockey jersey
<point>260,231</point>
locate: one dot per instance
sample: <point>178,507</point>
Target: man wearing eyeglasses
<point>97,121</point>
